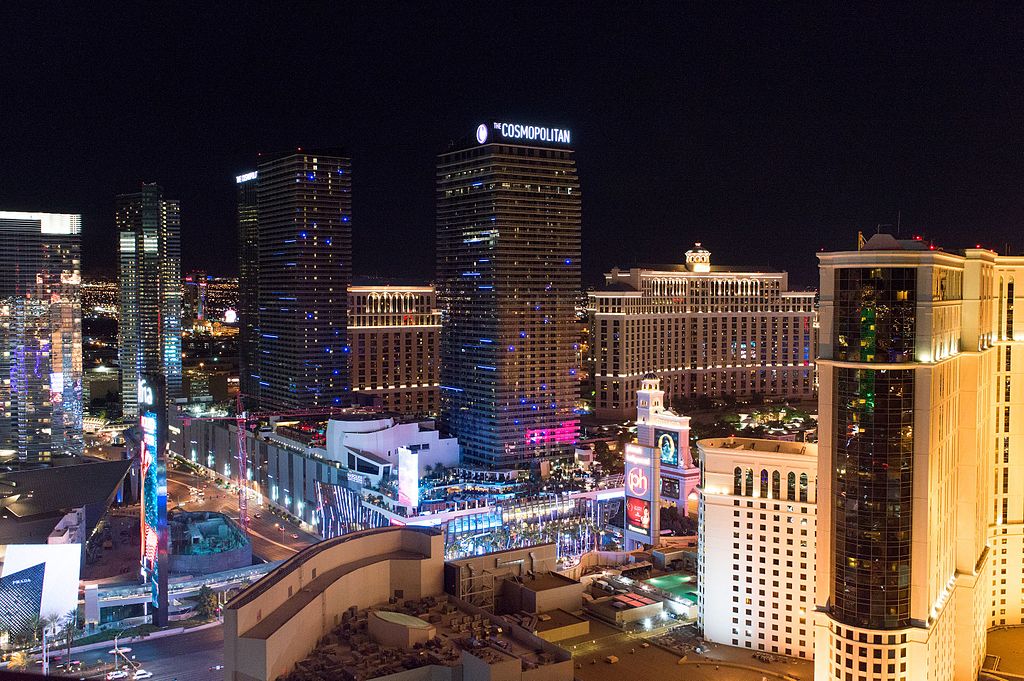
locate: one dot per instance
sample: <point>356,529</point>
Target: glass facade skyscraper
<point>40,335</point>
<point>248,282</point>
<point>149,328</point>
<point>304,234</point>
<point>508,279</point>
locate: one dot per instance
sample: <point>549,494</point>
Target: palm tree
<point>49,623</point>
<point>70,625</point>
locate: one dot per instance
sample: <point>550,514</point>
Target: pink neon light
<point>563,434</point>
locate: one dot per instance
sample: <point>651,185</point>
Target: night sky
<point>766,133</point>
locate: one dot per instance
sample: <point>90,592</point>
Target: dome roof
<point>650,376</point>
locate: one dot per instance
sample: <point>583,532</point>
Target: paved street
<point>186,657</point>
<point>269,542</point>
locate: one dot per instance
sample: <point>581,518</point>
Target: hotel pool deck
<point>683,586</point>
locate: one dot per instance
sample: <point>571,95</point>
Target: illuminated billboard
<point>641,476</point>
<point>38,580</point>
<point>638,516</point>
<point>667,443</point>
<point>408,477</point>
<point>153,470</point>
<point>670,488</point>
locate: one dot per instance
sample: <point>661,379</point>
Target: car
<point>216,667</point>
<point>117,674</point>
<point>258,516</point>
<point>143,674</point>
<point>280,529</point>
<point>294,536</point>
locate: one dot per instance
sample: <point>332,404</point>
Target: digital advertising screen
<point>667,443</point>
<point>153,511</point>
<point>670,488</point>
<point>638,515</point>
<point>408,477</point>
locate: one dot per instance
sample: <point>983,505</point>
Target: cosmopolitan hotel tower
<point>508,277</point>
<point>304,268</point>
<point>40,335</point>
<point>704,330</point>
<point>149,327</point>
<point>920,476</point>
<point>394,334</point>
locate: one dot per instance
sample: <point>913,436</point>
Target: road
<point>185,657</point>
<point>269,541</point>
<point>271,536</point>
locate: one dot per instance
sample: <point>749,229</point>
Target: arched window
<point>776,485</point>
<point>748,483</point>
<point>803,487</point>
<point>791,487</point>
<point>764,483</point>
<point>737,481</point>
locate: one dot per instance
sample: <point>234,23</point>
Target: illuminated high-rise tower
<point>304,216</point>
<point>149,329</point>
<point>248,297</point>
<point>919,471</point>
<point>508,278</point>
<point>40,335</point>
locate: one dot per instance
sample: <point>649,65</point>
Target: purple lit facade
<point>41,335</point>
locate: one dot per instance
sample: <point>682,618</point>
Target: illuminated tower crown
<point>698,259</point>
<point>650,399</point>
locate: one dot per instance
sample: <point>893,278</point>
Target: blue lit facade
<point>304,216</point>
<point>149,328</point>
<point>508,277</point>
<point>248,282</point>
<point>40,335</point>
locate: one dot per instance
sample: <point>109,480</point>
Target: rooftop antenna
<point>899,221</point>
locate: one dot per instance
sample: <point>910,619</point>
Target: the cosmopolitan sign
<point>530,133</point>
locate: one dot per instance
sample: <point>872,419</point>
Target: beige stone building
<point>394,333</point>
<point>704,330</point>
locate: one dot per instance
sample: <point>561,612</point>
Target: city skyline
<point>725,125</point>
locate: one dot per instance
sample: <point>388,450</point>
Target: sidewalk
<point>131,639</point>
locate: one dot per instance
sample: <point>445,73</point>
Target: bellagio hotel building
<point>704,330</point>
<point>920,460</point>
<point>394,333</point>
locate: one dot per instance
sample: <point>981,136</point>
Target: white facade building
<point>757,542</point>
<point>370,447</point>
<point>704,330</point>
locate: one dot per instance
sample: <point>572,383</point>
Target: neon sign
<point>239,179</point>
<point>637,482</point>
<point>532,133</point>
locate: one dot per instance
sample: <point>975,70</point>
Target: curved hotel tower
<point>919,484</point>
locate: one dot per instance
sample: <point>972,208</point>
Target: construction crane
<point>242,418</point>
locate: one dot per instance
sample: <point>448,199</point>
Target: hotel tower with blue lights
<point>304,269</point>
<point>508,278</point>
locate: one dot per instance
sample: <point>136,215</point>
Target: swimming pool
<point>683,586</point>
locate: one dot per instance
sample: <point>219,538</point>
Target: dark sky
<point>764,132</point>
